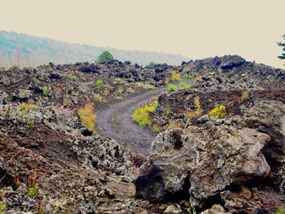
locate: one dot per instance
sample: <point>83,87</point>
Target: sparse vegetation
<point>168,110</point>
<point>151,64</point>
<point>176,76</point>
<point>46,91</point>
<point>151,87</point>
<point>24,107</point>
<point>98,97</point>
<point>106,92</point>
<point>218,112</point>
<point>99,82</point>
<point>244,95</point>
<point>171,88</point>
<point>120,90</point>
<point>31,184</point>
<point>141,115</point>
<point>130,90</point>
<point>87,116</point>
<point>140,84</point>
<point>72,77</point>
<point>188,76</point>
<point>148,86</point>
<point>281,210</point>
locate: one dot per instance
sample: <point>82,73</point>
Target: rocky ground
<point>54,159</point>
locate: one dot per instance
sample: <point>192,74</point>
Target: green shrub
<point>151,87</point>
<point>106,91</point>
<point>98,97</point>
<point>130,91</point>
<point>183,85</point>
<point>151,64</point>
<point>120,91</point>
<point>218,112</point>
<point>87,116</point>
<point>32,191</point>
<point>72,77</point>
<point>106,56</point>
<point>141,115</point>
<point>196,74</point>
<point>187,76</point>
<point>99,82</point>
<point>140,84</point>
<point>176,77</point>
<point>46,90</point>
<point>171,88</point>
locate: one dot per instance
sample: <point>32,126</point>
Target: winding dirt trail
<point>116,122</point>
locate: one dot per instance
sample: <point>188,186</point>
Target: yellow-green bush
<point>141,115</point>
<point>87,116</point>
<point>218,112</point>
<point>176,77</point>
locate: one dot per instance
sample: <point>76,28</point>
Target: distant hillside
<point>23,49</point>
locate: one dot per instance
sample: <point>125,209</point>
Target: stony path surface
<point>116,122</point>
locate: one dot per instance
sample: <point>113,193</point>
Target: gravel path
<point>116,121</point>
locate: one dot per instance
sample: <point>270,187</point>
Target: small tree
<point>151,64</point>
<point>106,56</point>
<point>282,44</point>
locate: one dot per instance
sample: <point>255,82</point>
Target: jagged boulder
<point>209,159</point>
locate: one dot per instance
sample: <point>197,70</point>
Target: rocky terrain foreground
<point>213,142</point>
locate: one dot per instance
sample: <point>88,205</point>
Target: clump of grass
<point>24,107</point>
<point>176,77</point>
<point>244,95</point>
<point>66,102</point>
<point>31,184</point>
<point>183,85</point>
<point>187,76</point>
<point>171,88</point>
<point>87,116</point>
<point>107,86</point>
<point>106,92</point>
<point>72,77</point>
<point>218,112</point>
<point>140,85</point>
<point>130,90</point>
<point>155,128</point>
<point>151,87</point>
<point>151,64</point>
<point>141,115</point>
<point>148,86</point>
<point>46,90</point>
<point>120,91</point>
<point>99,82</point>
<point>168,110</point>
<point>196,74</point>
<point>98,97</point>
<point>118,80</point>
<point>220,71</point>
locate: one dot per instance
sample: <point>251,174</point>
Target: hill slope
<point>30,50</point>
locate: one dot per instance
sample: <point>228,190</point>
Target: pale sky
<point>194,28</point>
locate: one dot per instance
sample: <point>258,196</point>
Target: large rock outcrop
<point>212,161</point>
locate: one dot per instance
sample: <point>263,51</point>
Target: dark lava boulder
<point>213,162</point>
